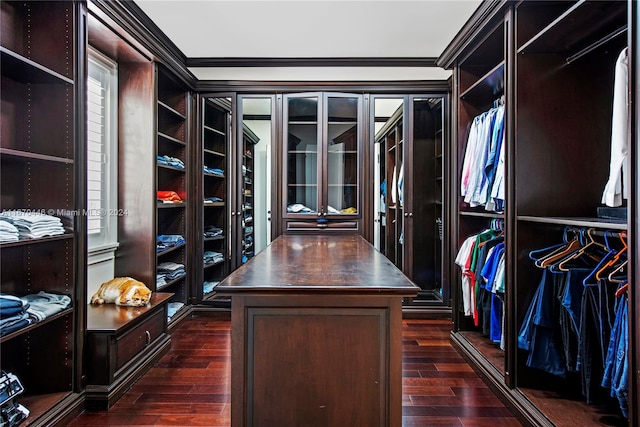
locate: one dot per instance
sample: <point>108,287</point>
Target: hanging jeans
<point>596,321</point>
<point>539,332</point>
<point>615,375</point>
<point>569,294</point>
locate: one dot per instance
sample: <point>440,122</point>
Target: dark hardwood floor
<point>190,385</point>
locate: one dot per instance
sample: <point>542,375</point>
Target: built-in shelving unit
<point>173,147</point>
<point>41,163</point>
<point>214,208</point>
<point>553,64</point>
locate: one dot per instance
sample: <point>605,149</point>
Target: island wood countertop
<point>318,264</point>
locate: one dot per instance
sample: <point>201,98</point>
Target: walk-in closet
<point>446,193</point>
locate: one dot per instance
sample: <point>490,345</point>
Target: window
<point>102,152</point>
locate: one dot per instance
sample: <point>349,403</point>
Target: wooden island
<point>317,334</point>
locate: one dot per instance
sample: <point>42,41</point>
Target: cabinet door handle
<point>148,334</point>
<point>410,214</point>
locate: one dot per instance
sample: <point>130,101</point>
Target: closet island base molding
<point>316,334</point>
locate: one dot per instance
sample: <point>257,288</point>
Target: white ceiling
<point>311,29</point>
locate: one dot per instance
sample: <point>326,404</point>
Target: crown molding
<point>311,62</point>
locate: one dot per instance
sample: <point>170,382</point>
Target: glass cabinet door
<point>301,141</point>
<point>322,133</point>
<point>342,147</point>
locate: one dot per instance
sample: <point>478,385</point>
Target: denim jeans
<point>615,375</point>
<point>570,295</point>
<point>539,332</point>
<point>595,331</point>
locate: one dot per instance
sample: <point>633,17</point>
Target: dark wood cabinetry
<point>212,191</point>
<point>122,344</point>
<point>351,316</point>
<point>322,145</point>
<point>411,147</point>
<point>553,64</point>
<point>41,160</point>
<point>173,190</point>
<point>245,244</point>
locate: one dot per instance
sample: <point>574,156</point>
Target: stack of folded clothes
<point>8,231</point>
<point>33,225</point>
<point>213,199</point>
<point>17,313</point>
<point>212,257</point>
<point>171,270</point>
<point>213,171</point>
<point>173,308</point>
<point>170,161</point>
<point>13,314</point>
<point>212,231</point>
<point>166,241</point>
<point>168,196</point>
<point>207,287</point>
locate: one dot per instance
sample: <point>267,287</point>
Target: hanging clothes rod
<point>597,232</point>
<point>597,44</point>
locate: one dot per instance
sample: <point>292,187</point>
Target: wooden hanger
<point>584,251</point>
<point>571,247</point>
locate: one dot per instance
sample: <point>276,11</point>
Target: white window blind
<point>101,150</point>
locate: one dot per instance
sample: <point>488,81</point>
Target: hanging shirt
<point>463,260</point>
<point>618,169</point>
<point>470,156</point>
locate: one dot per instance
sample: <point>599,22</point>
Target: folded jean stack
<point>213,171</point>
<point>212,231</point>
<point>17,313</point>
<point>212,257</point>
<point>173,308</point>
<point>170,271</point>
<point>170,161</point>
<point>166,241</point>
<point>213,199</point>
<point>33,225</point>
<point>207,287</point>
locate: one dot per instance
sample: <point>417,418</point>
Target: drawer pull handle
<point>148,337</point>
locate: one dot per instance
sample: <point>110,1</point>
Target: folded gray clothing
<point>45,304</point>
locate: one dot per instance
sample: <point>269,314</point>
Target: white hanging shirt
<point>618,170</point>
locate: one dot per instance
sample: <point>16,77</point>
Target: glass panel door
<point>302,163</point>
<point>343,134</point>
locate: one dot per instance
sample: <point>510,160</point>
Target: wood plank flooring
<point>190,385</point>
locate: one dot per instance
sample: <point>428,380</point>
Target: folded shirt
<point>213,171</point>
<point>8,231</point>
<point>168,196</point>
<point>170,161</point>
<point>45,304</point>
<point>31,225</point>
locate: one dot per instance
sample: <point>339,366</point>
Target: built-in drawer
<point>134,341</point>
<point>328,225</point>
<point>122,343</point>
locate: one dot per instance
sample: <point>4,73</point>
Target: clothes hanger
<point>585,253</point>
<point>622,289</point>
<point>537,255</point>
<point>620,269</point>
<point>606,259</point>
<point>616,258</point>
<point>571,247</point>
